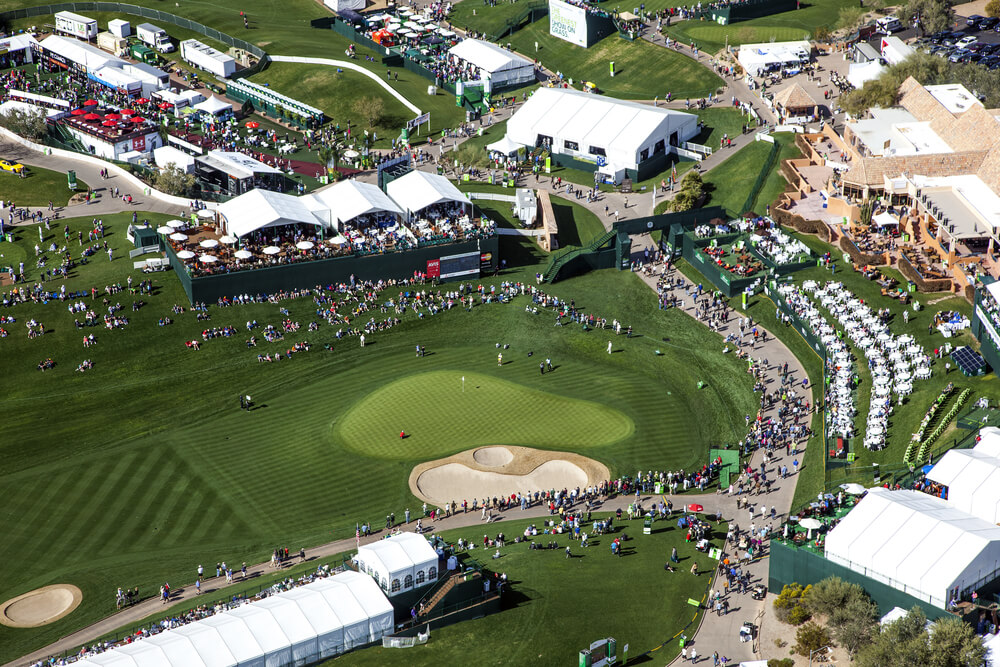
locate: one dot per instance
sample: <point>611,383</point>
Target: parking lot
<point>978,42</point>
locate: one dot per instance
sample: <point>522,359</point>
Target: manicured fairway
<point>133,472</point>
<point>429,408</point>
<point>38,188</point>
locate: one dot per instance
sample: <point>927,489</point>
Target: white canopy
<point>592,127</point>
<point>503,67</point>
<point>214,106</point>
<point>418,189</point>
<point>989,436</point>
<point>399,563</point>
<point>350,198</point>
<point>302,626</point>
<point>759,58</point>
<point>860,73</point>
<point>258,209</point>
<point>973,481</point>
<point>916,543</point>
<point>884,219</point>
<point>505,145</point>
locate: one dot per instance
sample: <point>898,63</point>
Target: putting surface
<point>439,417</point>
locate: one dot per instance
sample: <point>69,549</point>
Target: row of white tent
<point>406,197</point>
<point>300,626</point>
<point>931,548</point>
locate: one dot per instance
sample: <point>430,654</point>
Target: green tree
<point>855,622</point>
<point>930,15</point>
<point>811,637</point>
<point>850,18</point>
<point>174,181</point>
<point>902,643</point>
<point>789,607</point>
<point>27,123</point>
<point>992,8</point>
<point>954,644</point>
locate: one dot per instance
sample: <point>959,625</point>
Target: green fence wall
<point>789,564</point>
<point>324,271</point>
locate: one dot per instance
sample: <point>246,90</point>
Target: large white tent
<point>500,66</point>
<point>399,563</point>
<point>973,480</point>
<point>989,439</point>
<point>349,199</point>
<point>599,129</point>
<point>297,627</point>
<point>759,58</point>
<point>917,544</point>
<point>417,190</point>
<point>259,209</point>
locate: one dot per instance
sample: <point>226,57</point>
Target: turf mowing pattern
<point>429,407</point>
<point>136,471</point>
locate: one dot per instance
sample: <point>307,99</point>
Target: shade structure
<point>185,254</point>
<point>418,189</point>
<point>208,259</point>
<point>917,543</point>
<point>853,488</point>
<point>137,119</point>
<point>228,239</point>
<point>113,116</point>
<point>165,106</point>
<point>78,112</point>
<point>208,243</point>
<point>206,213</point>
<point>350,199</point>
<point>127,112</point>
<point>90,103</point>
<point>694,507</point>
<point>109,123</point>
<point>165,229</point>
<point>301,626</point>
<point>261,209</point>
<point>271,250</point>
<point>305,245</point>
<point>177,236</point>
<point>973,480</point>
<point>142,100</point>
<point>253,125</point>
<point>242,254</point>
<point>500,66</point>
<point>399,563</point>
<point>351,154</point>
<point>92,117</point>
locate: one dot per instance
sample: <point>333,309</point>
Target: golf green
<point>443,412</point>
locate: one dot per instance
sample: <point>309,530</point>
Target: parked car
<point>974,20</point>
<point>938,37</point>
<point>966,41</point>
<point>957,55</point>
<point>951,38</point>
<point>989,23</point>
<point>15,167</point>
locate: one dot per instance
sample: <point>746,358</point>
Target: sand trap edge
<point>73,590</point>
<point>525,459</point>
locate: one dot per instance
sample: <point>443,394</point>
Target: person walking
<point>362,340</point>
<point>541,367</point>
<point>500,359</point>
<point>609,347</point>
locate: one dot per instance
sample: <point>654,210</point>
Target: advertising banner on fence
<point>568,22</point>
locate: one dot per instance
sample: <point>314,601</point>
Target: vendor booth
<point>502,68</point>
<point>399,563</point>
<point>421,194</point>
<point>214,109</point>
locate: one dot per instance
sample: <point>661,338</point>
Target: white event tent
<point>917,544</point>
<point>350,199</point>
<point>259,209</point>
<point>499,66</point>
<point>297,627</point>
<point>599,129</point>
<point>768,56</point>
<point>399,563</point>
<point>417,190</point>
<point>989,441</point>
<point>973,480</point>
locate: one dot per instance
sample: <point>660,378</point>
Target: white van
<point>888,25</point>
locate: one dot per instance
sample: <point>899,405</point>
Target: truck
<point>76,25</point>
<point>143,54</point>
<point>120,27</point>
<point>888,25</point>
<point>112,43</point>
<point>155,37</point>
<point>204,56</point>
<point>894,50</point>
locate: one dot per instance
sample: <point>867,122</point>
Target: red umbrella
<point>109,123</point>
<point>165,105</point>
<point>112,116</point>
<point>127,112</point>
<point>253,125</point>
<point>92,116</point>
<point>142,100</point>
<point>694,508</point>
<point>78,112</point>
<point>90,103</point>
<point>137,119</point>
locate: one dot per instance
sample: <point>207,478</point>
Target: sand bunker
<point>41,606</point>
<point>486,472</point>
<point>493,456</point>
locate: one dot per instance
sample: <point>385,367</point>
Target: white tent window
<point>394,588</point>
<point>408,581</point>
<point>420,577</point>
<point>397,557</point>
<point>432,573</point>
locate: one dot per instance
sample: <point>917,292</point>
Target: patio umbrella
<point>208,259</point>
<point>228,239</point>
<point>165,229</point>
<point>142,100</point>
<point>694,507</point>
<point>272,250</point>
<point>927,468</point>
<point>242,254</point>
<point>92,117</point>
<point>185,254</point>
<point>113,116</point>
<point>305,245</point>
<point>174,223</point>
<point>164,106</point>
<point>78,112</point>
<point>853,488</point>
<point>253,125</point>
<point>177,236</point>
<point>137,119</point>
<point>209,243</point>
<point>127,112</point>
<point>109,123</point>
<point>810,525</point>
<point>206,213</point>
<point>90,103</point>
<point>351,154</point>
